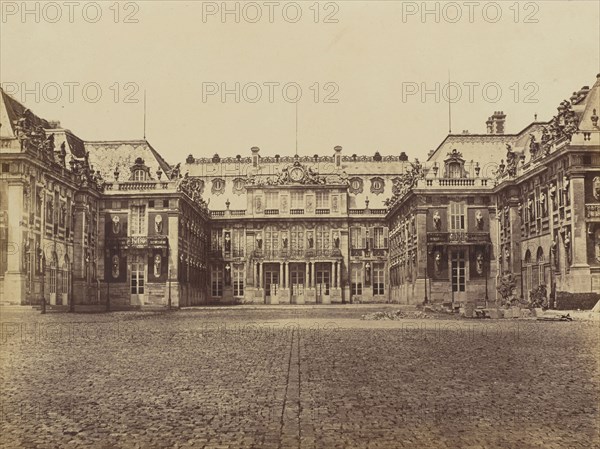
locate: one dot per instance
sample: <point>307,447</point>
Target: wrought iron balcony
<point>458,237</point>
<point>138,241</point>
<point>297,254</point>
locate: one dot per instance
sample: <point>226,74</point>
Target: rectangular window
<point>272,200</point>
<point>297,200</point>
<point>216,241</point>
<point>238,282</point>
<point>216,281</point>
<point>323,200</point>
<point>138,274</point>
<point>378,280</point>
<point>238,242</point>
<point>458,271</point>
<point>457,216</point>
<point>380,237</point>
<point>358,237</point>
<point>356,279</point>
<point>138,220</point>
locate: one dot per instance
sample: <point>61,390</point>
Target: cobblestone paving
<point>304,378</point>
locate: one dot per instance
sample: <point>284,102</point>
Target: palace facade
<point>112,223</point>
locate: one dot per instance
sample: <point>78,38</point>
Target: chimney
<point>255,156</point>
<point>495,124</point>
<point>338,156</point>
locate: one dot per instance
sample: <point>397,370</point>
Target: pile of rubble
<point>396,315</point>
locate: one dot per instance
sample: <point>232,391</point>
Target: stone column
<point>306,281</point>
<point>312,275</point>
<point>286,275</point>
<point>281,280</point>
<point>259,274</point>
<point>580,269</point>
<point>14,280</point>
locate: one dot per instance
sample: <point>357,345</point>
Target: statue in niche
<point>437,261</point>
<point>158,224</point>
<point>157,265</point>
<point>437,221</point>
<point>479,263</point>
<point>479,220</point>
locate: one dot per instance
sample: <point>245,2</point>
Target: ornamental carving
<point>218,186</point>
<point>377,185</point>
<point>356,185</point>
<point>239,186</point>
<point>405,183</point>
<point>193,188</point>
<point>596,187</point>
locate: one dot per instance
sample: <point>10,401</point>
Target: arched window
<point>323,240</point>
<point>53,272</point>
<point>540,261</point>
<point>527,257</point>
<point>271,239</point>
<point>139,175</point>
<point>454,170</point>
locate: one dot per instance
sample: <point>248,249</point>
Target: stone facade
<point>112,223</point>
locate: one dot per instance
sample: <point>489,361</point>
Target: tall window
<point>238,282</point>
<point>297,200</point>
<point>272,200</point>
<point>323,200</point>
<point>138,275</point>
<point>457,216</point>
<point>238,242</point>
<point>458,271</point>
<point>357,237</point>
<point>271,239</point>
<point>323,238</point>
<point>216,240</point>
<point>138,220</point>
<point>380,236</point>
<point>53,273</point>
<point>356,280</point>
<point>378,280</point>
<point>216,282</point>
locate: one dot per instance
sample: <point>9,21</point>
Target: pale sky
<point>369,57</point>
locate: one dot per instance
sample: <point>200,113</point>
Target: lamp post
<point>486,272</point>
<point>43,263</point>
<point>425,300</point>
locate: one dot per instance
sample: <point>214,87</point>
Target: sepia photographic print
<point>299,224</point>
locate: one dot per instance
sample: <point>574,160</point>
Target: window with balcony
<point>297,200</point>
<point>457,216</point>
<point>271,239</point>
<point>323,200</point>
<point>272,200</point>
<point>137,220</point>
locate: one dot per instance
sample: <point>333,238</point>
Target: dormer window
<point>139,175</point>
<point>454,170</point>
<point>454,165</point>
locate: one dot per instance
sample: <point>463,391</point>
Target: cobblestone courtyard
<point>278,378</point>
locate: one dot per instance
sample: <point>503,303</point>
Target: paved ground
<point>304,378</point>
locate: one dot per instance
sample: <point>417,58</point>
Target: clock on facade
<point>296,174</point>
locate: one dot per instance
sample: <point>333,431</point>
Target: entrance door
<point>458,276</point>
<point>138,280</point>
<point>297,282</point>
<point>271,284</point>
<point>323,278</point>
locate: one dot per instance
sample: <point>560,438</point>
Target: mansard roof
<point>106,156</point>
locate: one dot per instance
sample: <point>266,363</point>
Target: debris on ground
<point>397,315</point>
<point>566,317</point>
